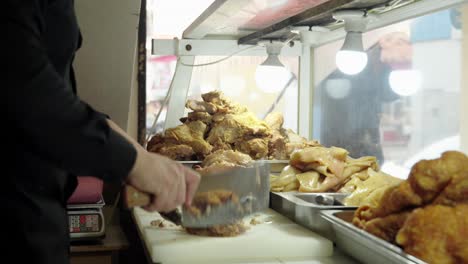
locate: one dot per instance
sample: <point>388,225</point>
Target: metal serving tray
<point>362,245</point>
<point>190,163</point>
<point>276,166</point>
<point>305,208</point>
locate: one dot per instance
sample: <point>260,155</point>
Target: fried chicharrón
<point>426,214</point>
<point>436,234</point>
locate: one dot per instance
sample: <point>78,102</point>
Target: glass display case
<point>404,106</point>
<point>383,81</point>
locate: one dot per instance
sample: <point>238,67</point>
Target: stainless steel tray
<point>362,245</point>
<point>276,166</point>
<point>190,163</point>
<point>305,208</point>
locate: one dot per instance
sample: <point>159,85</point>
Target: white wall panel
<point>104,64</point>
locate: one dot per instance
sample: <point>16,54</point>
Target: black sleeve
<point>50,119</point>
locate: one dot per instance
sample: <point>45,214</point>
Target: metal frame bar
<point>214,17</point>
<point>464,86</point>
<point>307,14</point>
<point>417,9</point>
<point>179,89</point>
<point>412,10</point>
<point>305,93</point>
<point>209,47</point>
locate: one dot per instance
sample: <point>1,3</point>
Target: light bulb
<point>351,62</point>
<point>405,82</point>
<point>271,79</point>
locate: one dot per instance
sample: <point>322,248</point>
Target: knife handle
<point>134,197</point>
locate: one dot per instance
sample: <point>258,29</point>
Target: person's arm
<point>52,120</point>
<point>169,183</point>
<point>67,132</point>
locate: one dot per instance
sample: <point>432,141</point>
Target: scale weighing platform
<point>86,221</point>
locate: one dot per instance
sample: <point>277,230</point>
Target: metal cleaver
<point>249,185</point>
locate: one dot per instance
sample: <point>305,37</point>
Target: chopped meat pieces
<point>202,204</point>
<point>229,230</point>
<point>198,106</point>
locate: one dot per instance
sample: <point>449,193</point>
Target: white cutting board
<point>274,238</point>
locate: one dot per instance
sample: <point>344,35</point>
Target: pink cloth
<point>89,190</point>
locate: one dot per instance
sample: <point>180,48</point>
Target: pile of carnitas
<point>217,123</point>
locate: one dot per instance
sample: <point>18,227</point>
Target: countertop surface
<point>279,241</point>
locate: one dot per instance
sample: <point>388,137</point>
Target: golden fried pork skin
<point>437,234</point>
<point>427,180</point>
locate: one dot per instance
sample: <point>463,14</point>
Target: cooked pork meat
<point>222,160</point>
<point>427,180</point>
<point>296,142</point>
<point>277,143</point>
<point>199,106</point>
<point>324,160</point>
<point>221,145</point>
<point>200,116</point>
<point>223,104</point>
<point>322,170</point>
<point>367,187</point>
<point>387,227</point>
<point>436,234</point>
<point>217,123</point>
<point>204,202</point>
<point>177,152</point>
<point>434,201</point>
<point>170,148</point>
<point>277,147</point>
<point>215,97</point>
<point>456,191</point>
<point>218,117</point>
<point>229,230</point>
<point>192,134</point>
<point>257,148</point>
<point>224,157</point>
<point>236,128</point>
<point>154,143</point>
<point>275,120</point>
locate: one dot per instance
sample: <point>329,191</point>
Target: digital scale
<point>86,221</point>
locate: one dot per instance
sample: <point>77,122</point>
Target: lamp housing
<point>271,76</point>
<point>352,59</point>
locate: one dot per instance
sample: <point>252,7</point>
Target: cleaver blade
<point>250,188</point>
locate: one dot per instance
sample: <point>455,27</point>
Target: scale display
<point>84,223</point>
